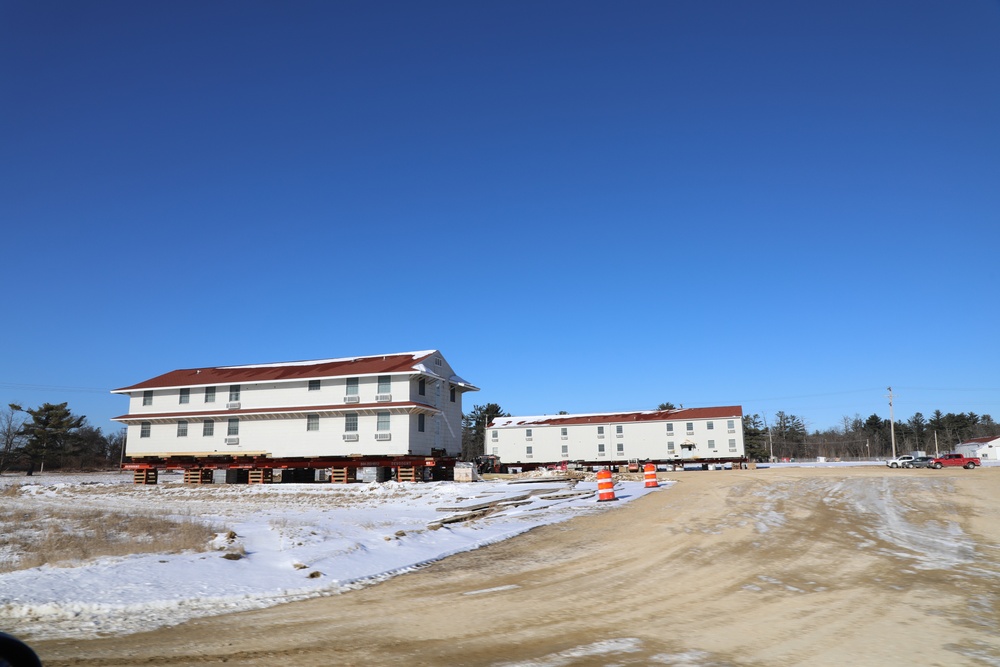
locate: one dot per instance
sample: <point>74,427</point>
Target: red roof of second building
<point>296,370</point>
<point>620,417</point>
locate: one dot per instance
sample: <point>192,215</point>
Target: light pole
<point>892,425</point>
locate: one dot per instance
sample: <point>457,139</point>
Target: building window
<point>670,445</point>
<point>422,387</point>
<point>314,385</point>
<point>382,423</point>
<point>670,428</point>
<point>420,423</point>
<point>234,426</point>
<point>312,422</point>
<point>147,398</point>
<point>452,394</point>
<point>384,384</point>
<point>210,394</point>
<point>351,422</point>
<point>234,393</point>
<point>208,428</point>
<point>690,428</point>
<point>185,396</point>
<point>618,430</point>
<point>600,449</point>
<point>496,451</point>
<point>437,361</point>
<point>182,429</point>
<point>563,432</point>
<point>496,434</point>
<point>144,430</point>
<point>565,450</point>
<point>527,451</point>
<point>527,434</point>
<point>352,386</point>
<point>710,426</point>
<point>731,425</point>
<point>732,444</point>
<point>621,448</point>
<point>600,430</point>
<point>711,444</point>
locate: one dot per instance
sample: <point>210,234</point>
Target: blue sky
<point>586,206</point>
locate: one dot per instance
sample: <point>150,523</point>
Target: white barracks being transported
<point>694,434</point>
<point>356,411</point>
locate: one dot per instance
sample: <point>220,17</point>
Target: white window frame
<point>382,421</point>
<point>184,397</point>
<point>315,385</point>
<point>352,387</point>
<point>233,426</point>
<point>234,393</point>
<point>351,422</point>
<point>147,397</point>
<point>144,429</point>
<point>208,428</point>
<point>312,422</point>
<point>210,394</point>
<point>182,428</point>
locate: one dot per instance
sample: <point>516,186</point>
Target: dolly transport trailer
<point>260,469</point>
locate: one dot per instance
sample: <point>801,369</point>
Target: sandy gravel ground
<point>798,566</point>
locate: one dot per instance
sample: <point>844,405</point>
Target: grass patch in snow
<point>35,536</point>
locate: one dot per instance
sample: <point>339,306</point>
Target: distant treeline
<point>51,437</point>
<point>857,438</point>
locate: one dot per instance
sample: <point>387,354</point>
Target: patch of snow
<point>295,541</point>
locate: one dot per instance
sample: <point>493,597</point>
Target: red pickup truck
<point>969,462</point>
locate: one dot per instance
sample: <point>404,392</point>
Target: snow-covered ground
<point>296,541</point>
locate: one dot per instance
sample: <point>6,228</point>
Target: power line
<point>49,387</point>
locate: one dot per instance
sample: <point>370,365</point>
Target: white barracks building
<point>393,405</point>
<point>695,434</point>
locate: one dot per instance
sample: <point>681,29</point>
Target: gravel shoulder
<point>793,566</point>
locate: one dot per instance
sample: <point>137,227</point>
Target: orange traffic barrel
<point>649,472</point>
<point>605,487</point>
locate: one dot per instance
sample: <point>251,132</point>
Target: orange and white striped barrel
<point>649,472</point>
<point>605,487</point>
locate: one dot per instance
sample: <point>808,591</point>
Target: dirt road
<point>840,566</point>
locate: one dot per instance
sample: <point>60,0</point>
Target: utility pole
<point>892,425</point>
<point>770,439</point>
<point>935,445</point>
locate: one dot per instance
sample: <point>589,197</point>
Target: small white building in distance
<point>392,405</point>
<point>987,449</point>
<point>692,434</point>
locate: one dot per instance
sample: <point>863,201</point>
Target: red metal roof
<point>300,370</point>
<point>722,412</point>
<point>989,438</point>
